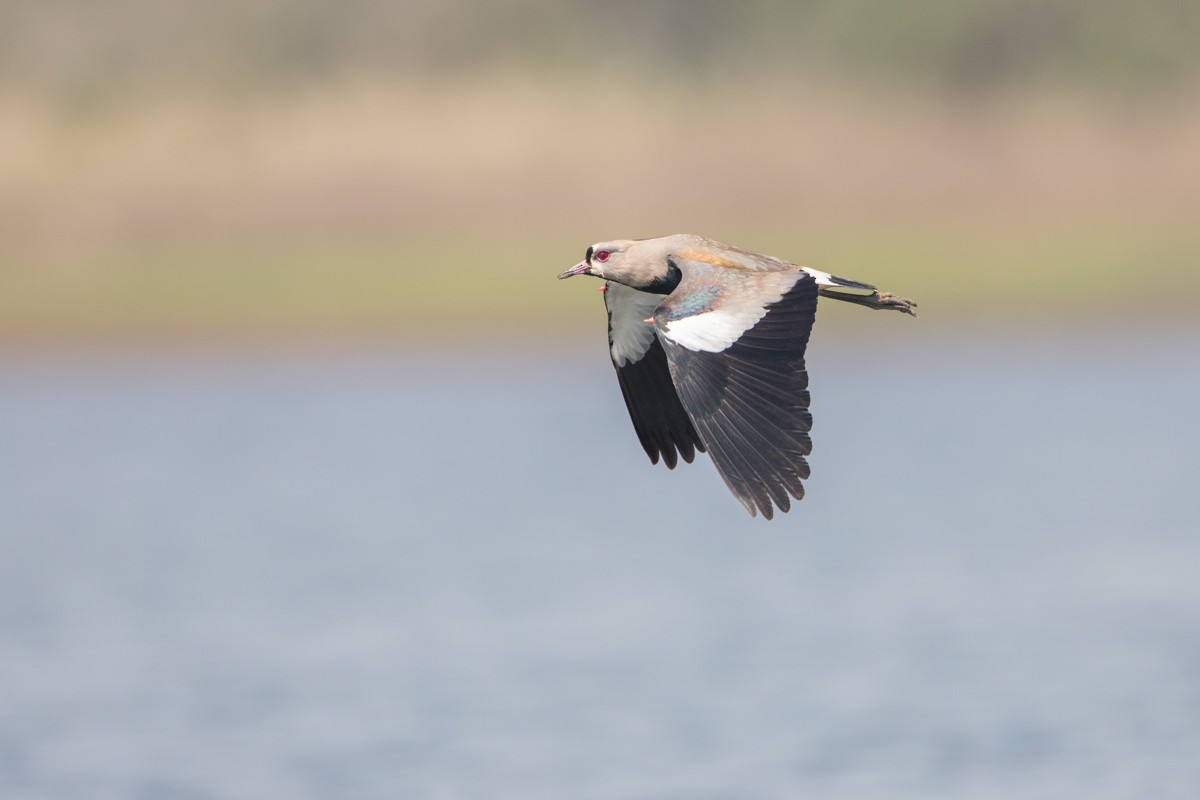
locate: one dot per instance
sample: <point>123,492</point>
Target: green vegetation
<point>83,47</point>
<point>451,287</point>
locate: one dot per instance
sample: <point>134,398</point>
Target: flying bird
<point>708,342</point>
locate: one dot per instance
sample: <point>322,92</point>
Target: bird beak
<point>582,268</point>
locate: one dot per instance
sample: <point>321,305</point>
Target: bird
<point>708,343</point>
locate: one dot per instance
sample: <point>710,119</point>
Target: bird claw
<point>896,303</point>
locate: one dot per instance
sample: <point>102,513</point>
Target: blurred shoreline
<point>393,207</point>
<point>159,182</point>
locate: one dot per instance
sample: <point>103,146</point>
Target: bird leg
<point>876,300</point>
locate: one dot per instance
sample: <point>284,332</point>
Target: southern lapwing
<point>708,343</point>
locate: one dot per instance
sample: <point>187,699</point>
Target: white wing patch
<point>628,310</point>
<point>743,301</point>
<point>713,331</point>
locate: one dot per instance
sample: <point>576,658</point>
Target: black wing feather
<point>659,419</point>
<point>749,402</point>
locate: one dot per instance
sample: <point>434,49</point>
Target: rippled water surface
<point>376,574</point>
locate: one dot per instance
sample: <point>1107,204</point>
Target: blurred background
<point>264,167</point>
<point>315,483</point>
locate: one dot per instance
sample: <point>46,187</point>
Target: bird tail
<point>864,294</point>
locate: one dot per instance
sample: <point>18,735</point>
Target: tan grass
<point>390,204</point>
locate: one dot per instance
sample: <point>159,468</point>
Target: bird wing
<point>662,425</point>
<point>734,341</point>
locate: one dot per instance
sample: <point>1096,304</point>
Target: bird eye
<point>601,255</point>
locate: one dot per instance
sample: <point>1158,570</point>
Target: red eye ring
<point>601,255</point>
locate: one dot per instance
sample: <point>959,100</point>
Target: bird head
<point>643,264</point>
<point>603,260</point>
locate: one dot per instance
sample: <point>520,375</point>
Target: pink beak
<point>582,268</point>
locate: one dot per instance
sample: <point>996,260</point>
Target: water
<point>369,573</point>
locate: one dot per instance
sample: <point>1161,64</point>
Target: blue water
<point>368,572</point>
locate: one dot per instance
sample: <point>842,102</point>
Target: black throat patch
<point>667,282</point>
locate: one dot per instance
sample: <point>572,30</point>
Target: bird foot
<point>895,303</point>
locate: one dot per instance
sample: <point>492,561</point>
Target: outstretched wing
<point>735,344</point>
<point>662,425</point>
